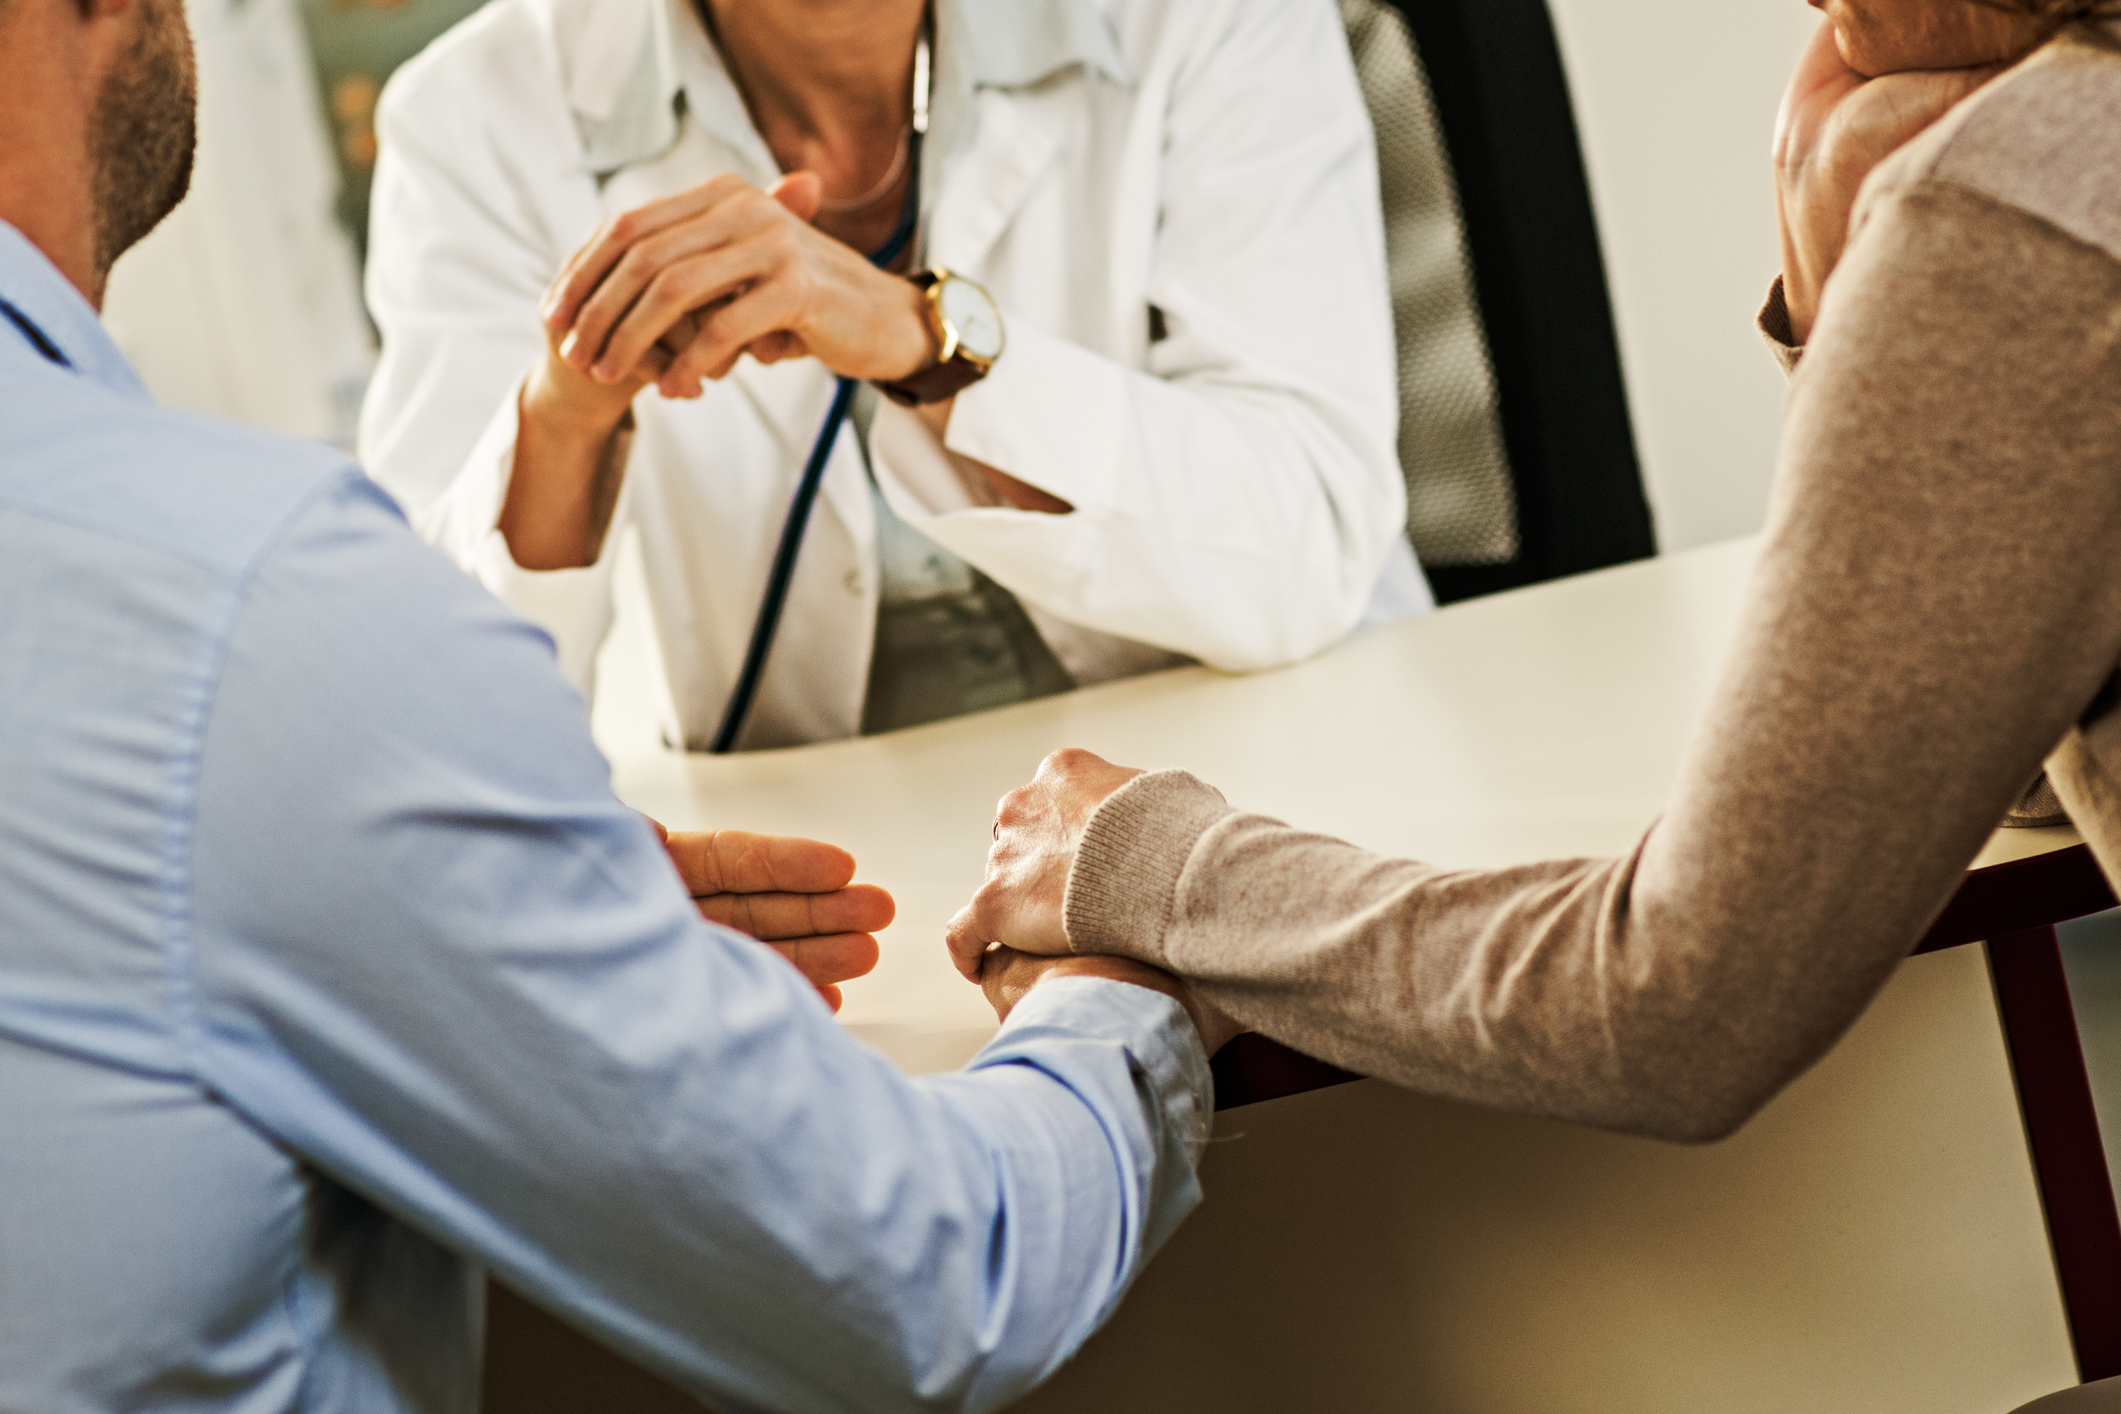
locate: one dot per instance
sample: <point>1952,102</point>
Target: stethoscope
<point>775,598</point>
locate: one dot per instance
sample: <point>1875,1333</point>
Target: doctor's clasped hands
<point>670,295</point>
<point>724,269</point>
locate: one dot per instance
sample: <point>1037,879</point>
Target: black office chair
<point>1514,433</point>
<point>1515,439</point>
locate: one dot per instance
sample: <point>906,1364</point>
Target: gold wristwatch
<point>968,330</point>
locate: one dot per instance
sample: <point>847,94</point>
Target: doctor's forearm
<point>569,465</point>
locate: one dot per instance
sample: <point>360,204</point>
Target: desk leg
<point>2062,1131</point>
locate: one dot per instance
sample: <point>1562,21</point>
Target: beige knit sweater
<point>1938,605</point>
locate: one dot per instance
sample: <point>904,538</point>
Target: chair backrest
<point>1515,439</point>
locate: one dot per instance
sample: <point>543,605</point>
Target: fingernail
<point>567,345</point>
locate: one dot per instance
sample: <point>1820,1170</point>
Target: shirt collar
<point>634,66</point>
<point>44,297</point>
<point>1017,43</point>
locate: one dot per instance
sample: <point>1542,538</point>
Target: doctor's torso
<point>1044,177</point>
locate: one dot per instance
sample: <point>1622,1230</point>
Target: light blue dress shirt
<point>331,971</point>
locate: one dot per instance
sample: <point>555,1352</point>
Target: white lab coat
<point>1236,491</point>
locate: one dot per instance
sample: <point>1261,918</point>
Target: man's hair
<point>145,131</point>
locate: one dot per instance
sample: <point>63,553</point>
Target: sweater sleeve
<point>1774,325</point>
<point>1934,607</point>
<point>2037,806</point>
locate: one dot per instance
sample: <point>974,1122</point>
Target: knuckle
<point>635,264</point>
<point>666,296</point>
<point>659,251</point>
<point>656,292</point>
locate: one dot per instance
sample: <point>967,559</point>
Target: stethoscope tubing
<point>766,626</point>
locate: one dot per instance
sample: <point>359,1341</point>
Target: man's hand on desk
<point>796,895</point>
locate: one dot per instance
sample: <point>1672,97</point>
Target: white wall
<point>244,302</point>
<point>1676,103</point>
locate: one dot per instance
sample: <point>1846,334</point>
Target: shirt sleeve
<point>1934,606</point>
<point>430,953</point>
<point>463,244</point>
<point>1235,498</point>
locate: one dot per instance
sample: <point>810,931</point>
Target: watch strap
<point>931,385</point>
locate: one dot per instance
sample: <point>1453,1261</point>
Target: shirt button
<point>854,582</point>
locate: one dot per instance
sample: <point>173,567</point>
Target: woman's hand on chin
<point>1834,127</point>
<point>676,291</point>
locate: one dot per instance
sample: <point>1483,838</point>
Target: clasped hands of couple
<point>676,292</point>
<point>797,896</point>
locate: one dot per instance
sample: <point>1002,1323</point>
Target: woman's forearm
<point>1935,604</point>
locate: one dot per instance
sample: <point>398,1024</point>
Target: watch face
<point>978,323</point>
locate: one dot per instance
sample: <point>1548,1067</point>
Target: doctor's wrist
<point>568,405</point>
<point>563,480</point>
<point>911,347</point>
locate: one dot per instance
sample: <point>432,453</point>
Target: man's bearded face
<point>145,129</point>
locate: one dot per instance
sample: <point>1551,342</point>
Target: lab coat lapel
<point>1004,100</point>
<point>1020,136</point>
<point>617,63</point>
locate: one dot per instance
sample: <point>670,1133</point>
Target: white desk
<point>1872,1243</point>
